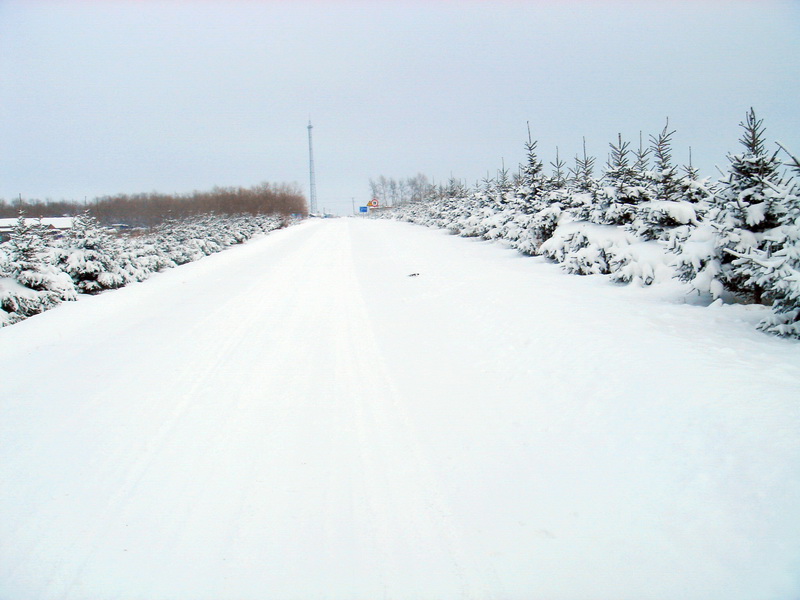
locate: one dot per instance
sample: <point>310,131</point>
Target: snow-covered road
<point>300,418</point>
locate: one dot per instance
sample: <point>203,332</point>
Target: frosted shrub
<point>776,268</point>
<point>615,203</point>
<point>742,213</point>
<point>36,273</point>
<point>541,227</point>
<point>585,248</point>
<point>31,281</point>
<point>18,302</point>
<point>655,218</point>
<point>90,257</point>
<point>496,222</point>
<point>642,263</point>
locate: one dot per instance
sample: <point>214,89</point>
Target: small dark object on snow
<point>414,275</point>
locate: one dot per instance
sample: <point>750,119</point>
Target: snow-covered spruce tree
<point>531,184</point>
<point>32,259</point>
<point>503,182</point>
<point>141,255</point>
<point>548,211</point>
<point>29,261</point>
<point>776,267</point>
<point>583,174</point>
<point>641,164</point>
<point>487,212</point>
<point>664,174</point>
<point>16,300</point>
<point>694,189</point>
<point>616,201</point>
<point>601,240</point>
<point>177,240</point>
<point>576,243</point>
<point>432,210</point>
<point>533,180</point>
<point>533,205</point>
<point>584,187</point>
<point>89,255</point>
<point>742,215</point>
<point>554,200</point>
<point>558,176</point>
<point>7,285</point>
<point>503,207</point>
<point>577,206</point>
<point>464,211</point>
<point>666,207</point>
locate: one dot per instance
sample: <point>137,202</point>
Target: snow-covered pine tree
<point>533,178</point>
<point>582,175</point>
<point>206,234</point>
<point>510,207</point>
<point>6,288</point>
<point>664,174</point>
<point>559,186</point>
<point>693,189</point>
<point>554,198</point>
<point>616,202</point>
<point>22,256</point>
<point>742,214</point>
<point>177,240</point>
<point>142,256</point>
<point>565,231</point>
<point>776,268</point>
<point>472,207</point>
<point>537,206</point>
<point>665,208</point>
<point>487,185</point>
<point>558,178</point>
<point>435,208</point>
<point>503,181</point>
<point>30,262</point>
<point>89,256</point>
<point>451,212</point>
<point>457,189</point>
<point>26,253</point>
<point>469,210</point>
<point>583,187</point>
<point>641,164</point>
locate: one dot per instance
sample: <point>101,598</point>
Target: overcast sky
<point>100,97</point>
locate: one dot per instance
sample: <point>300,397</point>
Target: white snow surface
<point>298,418</point>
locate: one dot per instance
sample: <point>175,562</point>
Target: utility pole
<point>313,187</point>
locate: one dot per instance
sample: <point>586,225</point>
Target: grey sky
<point>113,96</point>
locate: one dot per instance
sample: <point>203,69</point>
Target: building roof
<point>54,222</point>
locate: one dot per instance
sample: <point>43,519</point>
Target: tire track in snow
<point>185,389</point>
<point>183,395</point>
<point>396,464</point>
<point>376,497</point>
<point>301,469</point>
<point>355,481</point>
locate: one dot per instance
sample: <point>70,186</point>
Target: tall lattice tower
<point>312,200</point>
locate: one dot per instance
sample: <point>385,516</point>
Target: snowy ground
<point>298,418</point>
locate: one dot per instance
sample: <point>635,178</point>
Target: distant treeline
<point>148,210</point>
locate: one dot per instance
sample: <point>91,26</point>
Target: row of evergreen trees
<point>39,270</point>
<point>643,218</point>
